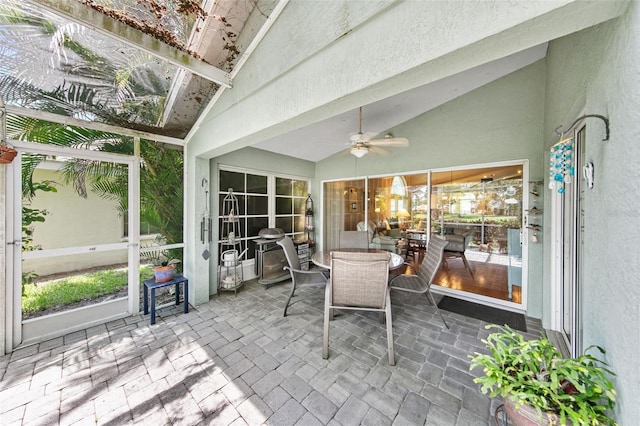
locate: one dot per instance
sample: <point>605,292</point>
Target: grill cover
<point>271,233</point>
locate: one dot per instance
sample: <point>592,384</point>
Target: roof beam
<point>236,69</point>
<point>88,17</point>
<point>93,125</point>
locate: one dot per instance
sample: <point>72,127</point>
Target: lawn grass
<point>75,288</point>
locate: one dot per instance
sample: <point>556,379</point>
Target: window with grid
<point>291,195</point>
<point>264,201</point>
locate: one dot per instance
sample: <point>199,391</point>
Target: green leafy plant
<point>31,216</point>
<point>533,372</point>
<point>159,258</point>
<point>59,294</point>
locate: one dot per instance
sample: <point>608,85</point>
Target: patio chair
<point>354,239</point>
<point>421,282</point>
<point>299,277</point>
<point>458,243</point>
<point>358,282</point>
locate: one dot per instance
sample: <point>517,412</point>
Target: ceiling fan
<point>361,143</point>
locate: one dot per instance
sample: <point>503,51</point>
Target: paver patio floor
<point>235,360</point>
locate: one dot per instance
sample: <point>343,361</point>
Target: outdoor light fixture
<point>359,151</point>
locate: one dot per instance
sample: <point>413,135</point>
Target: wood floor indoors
<point>489,274</point>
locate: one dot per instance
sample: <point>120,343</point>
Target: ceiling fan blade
<point>379,151</point>
<point>389,141</point>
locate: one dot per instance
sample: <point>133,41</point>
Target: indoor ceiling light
<point>360,151</point>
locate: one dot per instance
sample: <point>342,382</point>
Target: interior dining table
<point>323,258</point>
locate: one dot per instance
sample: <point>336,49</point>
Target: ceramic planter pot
<point>7,154</point>
<point>164,273</point>
<point>526,415</point>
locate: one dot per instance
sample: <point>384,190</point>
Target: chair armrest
<point>309,271</point>
<point>405,276</point>
<point>410,265</point>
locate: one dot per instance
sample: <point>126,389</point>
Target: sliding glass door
<point>344,208</point>
<point>478,209</point>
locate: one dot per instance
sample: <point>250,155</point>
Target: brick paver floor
<point>237,361</point>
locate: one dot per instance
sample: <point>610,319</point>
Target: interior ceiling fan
<point>361,144</point>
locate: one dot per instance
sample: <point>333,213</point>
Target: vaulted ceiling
<point>99,64</point>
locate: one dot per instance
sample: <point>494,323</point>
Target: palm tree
<point>126,90</point>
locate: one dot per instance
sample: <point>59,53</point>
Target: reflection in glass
<point>256,184</point>
<point>285,223</point>
<point>481,207</point>
<point>283,205</point>
<point>233,180</point>
<point>343,209</point>
<point>256,205</point>
<point>283,186</point>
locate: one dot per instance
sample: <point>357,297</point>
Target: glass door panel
<point>71,241</point>
<point>398,207</point>
<point>344,208</point>
<point>480,209</point>
<point>480,212</point>
<point>572,213</point>
<point>75,249</point>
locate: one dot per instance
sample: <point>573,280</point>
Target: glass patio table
<point>323,258</point>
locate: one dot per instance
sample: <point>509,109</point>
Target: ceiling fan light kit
<point>359,151</point>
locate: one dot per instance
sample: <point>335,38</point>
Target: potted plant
<point>7,154</point>
<point>541,387</point>
<point>165,270</point>
<point>163,267</point>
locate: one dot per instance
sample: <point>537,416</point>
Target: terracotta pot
<point>7,154</point>
<point>527,415</point>
<point>163,273</point>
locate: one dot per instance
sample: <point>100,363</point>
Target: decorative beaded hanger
<point>561,165</point>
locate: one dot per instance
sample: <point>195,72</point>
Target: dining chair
<point>299,277</point>
<point>354,239</point>
<point>420,283</point>
<point>358,282</point>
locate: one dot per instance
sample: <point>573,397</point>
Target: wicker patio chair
<point>358,282</point>
<point>421,283</point>
<point>299,277</point>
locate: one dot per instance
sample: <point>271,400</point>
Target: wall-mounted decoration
<point>561,167</point>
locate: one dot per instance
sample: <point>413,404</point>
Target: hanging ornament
<point>561,166</point>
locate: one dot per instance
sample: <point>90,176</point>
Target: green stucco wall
<point>254,160</point>
<point>500,121</point>
<point>596,72</point>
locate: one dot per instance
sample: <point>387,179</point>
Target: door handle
<point>14,243</point>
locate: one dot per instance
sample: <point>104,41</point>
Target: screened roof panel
<point>53,64</point>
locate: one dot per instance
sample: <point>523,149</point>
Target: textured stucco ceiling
<point>325,138</point>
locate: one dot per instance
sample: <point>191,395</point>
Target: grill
<point>274,234</point>
<point>270,259</point>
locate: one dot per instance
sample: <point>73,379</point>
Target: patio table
<point>152,285</point>
<point>323,258</point>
